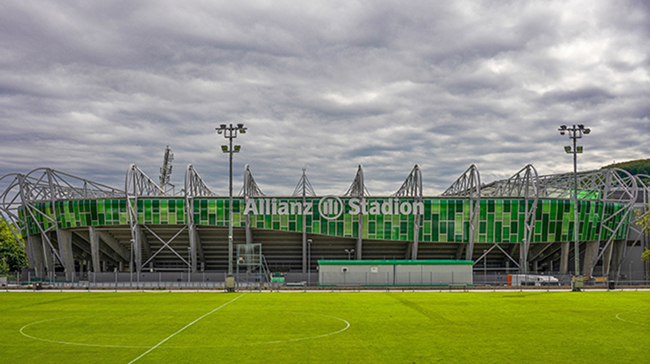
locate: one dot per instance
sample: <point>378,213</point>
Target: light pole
<point>485,266</point>
<point>575,133</point>
<point>308,262</point>
<point>349,251</point>
<point>53,267</point>
<point>131,264</point>
<point>230,132</point>
<point>189,263</point>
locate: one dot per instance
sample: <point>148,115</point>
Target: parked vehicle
<point>532,280</point>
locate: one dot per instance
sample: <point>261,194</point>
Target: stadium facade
<point>521,224</point>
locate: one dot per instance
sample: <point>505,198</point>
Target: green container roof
<point>395,262</point>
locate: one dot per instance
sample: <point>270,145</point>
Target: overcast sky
<point>89,87</point>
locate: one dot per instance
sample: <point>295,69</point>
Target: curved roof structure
<point>527,215</point>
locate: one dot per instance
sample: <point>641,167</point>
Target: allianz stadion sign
<point>331,207</point>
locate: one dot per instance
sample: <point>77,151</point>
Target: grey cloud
<point>584,97</point>
<point>91,87</point>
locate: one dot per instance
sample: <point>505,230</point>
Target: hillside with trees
<point>640,166</point>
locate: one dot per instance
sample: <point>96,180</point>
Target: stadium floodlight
<point>230,132</point>
<point>575,133</point>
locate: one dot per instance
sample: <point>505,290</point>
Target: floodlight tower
<point>575,133</point>
<point>230,132</point>
<point>166,169</point>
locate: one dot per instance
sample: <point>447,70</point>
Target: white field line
<point>632,322</point>
<point>347,326</point>
<point>69,343</point>
<point>317,336</point>
<point>186,326</point>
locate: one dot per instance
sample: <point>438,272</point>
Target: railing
<point>246,281</point>
<point>500,279</point>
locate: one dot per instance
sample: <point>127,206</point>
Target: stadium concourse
<point>520,225</point>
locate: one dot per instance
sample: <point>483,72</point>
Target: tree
<point>12,256</point>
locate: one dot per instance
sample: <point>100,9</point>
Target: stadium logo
<point>332,207</point>
<point>271,206</point>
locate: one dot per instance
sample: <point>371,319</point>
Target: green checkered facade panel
<point>443,220</point>
<point>106,212</point>
<point>215,212</point>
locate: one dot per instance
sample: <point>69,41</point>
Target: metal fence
<point>497,278</point>
<point>215,280</point>
<point>152,280</point>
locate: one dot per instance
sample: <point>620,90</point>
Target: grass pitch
<point>325,327</point>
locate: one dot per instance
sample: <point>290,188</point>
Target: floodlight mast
<point>230,132</point>
<point>575,133</point>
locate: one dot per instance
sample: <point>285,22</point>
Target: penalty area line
<point>186,326</point>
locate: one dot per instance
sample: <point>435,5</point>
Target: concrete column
<point>523,258</point>
<point>194,243</point>
<point>137,254</point>
<point>94,248</point>
<point>459,251</point>
<point>249,233</point>
<point>47,255</point>
<point>607,259</point>
<point>119,252</point>
<point>617,255</point>
<point>409,249</point>
<point>564,258</point>
<point>65,247</point>
<point>591,251</point>
<point>29,251</point>
<point>416,233</point>
<point>36,246</point>
<point>145,248</point>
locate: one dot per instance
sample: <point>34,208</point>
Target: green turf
<point>458,327</point>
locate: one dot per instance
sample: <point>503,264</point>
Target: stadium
<point>523,224</point>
